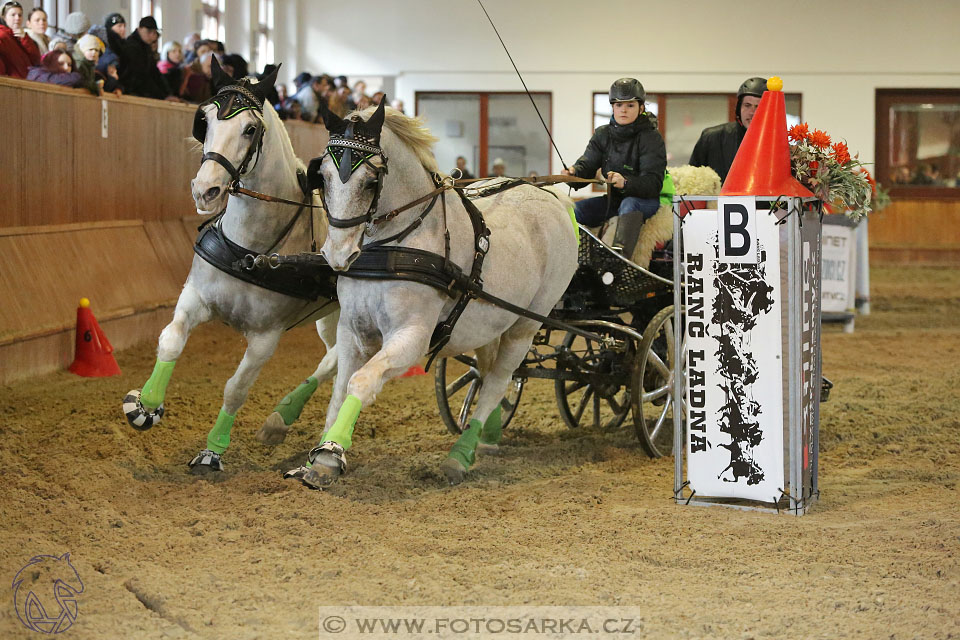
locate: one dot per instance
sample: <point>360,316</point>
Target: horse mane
<point>411,131</point>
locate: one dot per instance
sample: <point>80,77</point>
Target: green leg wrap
<point>573,219</point>
<point>291,406</point>
<point>342,430</point>
<point>155,388</point>
<point>219,437</point>
<point>492,428</point>
<point>464,450</point>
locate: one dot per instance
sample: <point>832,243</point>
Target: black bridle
<point>349,151</point>
<point>232,100</point>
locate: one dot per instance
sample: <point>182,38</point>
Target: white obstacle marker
<point>751,372</point>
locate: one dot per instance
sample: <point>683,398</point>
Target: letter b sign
<point>738,230</point>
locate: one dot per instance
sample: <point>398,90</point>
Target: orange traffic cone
<point>415,370</point>
<point>762,164</point>
<point>94,353</point>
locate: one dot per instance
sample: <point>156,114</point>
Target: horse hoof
<point>274,430</point>
<point>320,476</point>
<point>454,471</point>
<point>488,449</point>
<point>135,413</point>
<point>206,462</point>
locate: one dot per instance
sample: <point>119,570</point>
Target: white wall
<point>834,52</point>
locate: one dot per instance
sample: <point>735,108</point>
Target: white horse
<point>386,326</point>
<point>243,137</point>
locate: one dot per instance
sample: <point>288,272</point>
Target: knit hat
<point>112,19</point>
<point>51,60</point>
<point>76,23</point>
<point>90,41</point>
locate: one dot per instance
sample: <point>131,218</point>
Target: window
<point>918,142</point>
<point>211,26</point>
<point>681,117</point>
<point>485,127</point>
<point>264,54</point>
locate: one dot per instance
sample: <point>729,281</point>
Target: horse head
<point>230,126</point>
<point>350,174</point>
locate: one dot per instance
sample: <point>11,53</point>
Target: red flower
<point>798,132</point>
<point>819,139</point>
<point>841,153</point>
<point>814,165</point>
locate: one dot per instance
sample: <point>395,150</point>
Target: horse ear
<point>219,78</point>
<point>374,125</point>
<point>262,88</point>
<point>333,122</point>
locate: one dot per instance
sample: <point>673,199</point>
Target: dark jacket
<point>17,55</point>
<point>635,151</point>
<point>717,147</point>
<point>87,71</point>
<point>64,79</point>
<point>138,71</point>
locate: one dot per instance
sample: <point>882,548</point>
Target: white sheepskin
<point>688,180</point>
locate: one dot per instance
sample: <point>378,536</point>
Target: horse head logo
<point>45,594</point>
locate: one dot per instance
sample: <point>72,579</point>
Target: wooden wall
<point>83,215</point>
<point>910,231</point>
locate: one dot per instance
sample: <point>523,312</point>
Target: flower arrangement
<point>827,169</point>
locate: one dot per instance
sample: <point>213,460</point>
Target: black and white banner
<point>734,362</point>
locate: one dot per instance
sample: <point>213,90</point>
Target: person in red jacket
<point>18,51</point>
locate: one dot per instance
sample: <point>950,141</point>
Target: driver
<point>718,145</point>
<point>632,158</point>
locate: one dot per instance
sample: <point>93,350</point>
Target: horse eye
<point>250,130</point>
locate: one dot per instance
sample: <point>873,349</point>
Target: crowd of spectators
<point>112,58</point>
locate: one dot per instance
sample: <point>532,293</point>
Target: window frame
<point>484,96</point>
<point>884,100</point>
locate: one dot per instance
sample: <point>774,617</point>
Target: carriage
<point>626,372</point>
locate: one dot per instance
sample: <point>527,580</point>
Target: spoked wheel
<point>458,393</point>
<point>600,396</point>
<point>652,385</point>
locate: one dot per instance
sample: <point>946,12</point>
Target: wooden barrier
<point>96,203</point>
<point>912,231</point>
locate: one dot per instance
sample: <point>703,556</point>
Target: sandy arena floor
<point>562,518</point>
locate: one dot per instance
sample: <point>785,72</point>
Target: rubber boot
<point>628,232</point>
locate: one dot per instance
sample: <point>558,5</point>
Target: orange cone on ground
<point>762,164</point>
<point>94,354</point>
<point>415,370</point>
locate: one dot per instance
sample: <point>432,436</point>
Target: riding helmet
<point>750,87</point>
<point>627,89</point>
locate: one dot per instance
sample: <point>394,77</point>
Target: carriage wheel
<point>652,385</point>
<point>582,402</point>
<point>461,393</point>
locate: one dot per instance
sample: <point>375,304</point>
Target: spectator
<point>363,102</point>
<point>927,174</point>
<point>86,54</point>
<point>236,66</point>
<point>339,82</point>
<point>112,22</point>
<point>377,97</point>
<point>398,105</point>
<point>462,166</point>
<point>291,110</point>
<point>18,51</point>
<point>107,72</point>
<point>189,48</point>
<point>718,145</point>
<point>139,74</point>
<point>73,29</point>
<point>310,97</point>
<point>302,78</point>
<point>59,43</point>
<point>37,29</point>
<point>337,101</point>
<point>56,67</point>
<point>499,169</point>
<point>169,65</point>
<point>196,85</point>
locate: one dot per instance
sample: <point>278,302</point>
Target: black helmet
<point>627,89</point>
<point>750,87</point>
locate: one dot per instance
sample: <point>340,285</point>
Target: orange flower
<point>799,132</point>
<point>819,139</point>
<point>841,153</point>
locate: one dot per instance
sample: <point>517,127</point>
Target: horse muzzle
<point>209,197</point>
<point>340,258</point>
